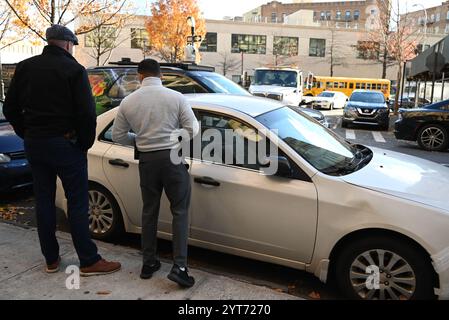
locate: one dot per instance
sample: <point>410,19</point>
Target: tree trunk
<point>398,89</point>
<point>53,12</point>
<point>384,63</point>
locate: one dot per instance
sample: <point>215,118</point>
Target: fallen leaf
<point>103,293</point>
<point>314,295</point>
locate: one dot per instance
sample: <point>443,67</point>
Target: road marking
<point>378,137</point>
<point>337,124</point>
<point>350,134</point>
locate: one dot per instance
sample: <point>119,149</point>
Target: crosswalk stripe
<point>378,137</point>
<point>350,134</point>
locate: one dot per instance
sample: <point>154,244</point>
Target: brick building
<point>349,14</point>
<point>437,19</point>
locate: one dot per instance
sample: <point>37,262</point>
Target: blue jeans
<point>49,158</point>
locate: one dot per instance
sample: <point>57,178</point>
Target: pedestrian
<point>50,105</point>
<point>154,113</point>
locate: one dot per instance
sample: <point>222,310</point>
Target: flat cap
<point>58,32</point>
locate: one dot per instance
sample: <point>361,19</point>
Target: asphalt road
<point>18,208</point>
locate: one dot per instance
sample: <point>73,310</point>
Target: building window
<point>438,17</point>
<point>447,16</point>
<point>317,48</point>
<point>285,46</point>
<point>368,50</point>
<point>252,44</point>
<point>139,38</point>
<point>348,15</point>
<point>328,15</point>
<point>356,15</point>
<point>210,43</point>
<point>447,28</point>
<point>274,17</point>
<point>323,15</point>
<point>338,16</point>
<point>104,37</point>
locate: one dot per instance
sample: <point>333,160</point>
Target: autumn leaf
<point>315,295</point>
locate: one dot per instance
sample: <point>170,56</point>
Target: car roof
<point>126,63</point>
<point>252,106</point>
<point>366,91</point>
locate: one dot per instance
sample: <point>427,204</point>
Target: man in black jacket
<point>50,105</point>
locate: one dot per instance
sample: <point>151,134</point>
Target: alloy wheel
<point>100,212</point>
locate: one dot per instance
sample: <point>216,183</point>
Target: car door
<point>236,207</point>
<point>122,172</point>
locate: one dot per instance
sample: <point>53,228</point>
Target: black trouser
<point>158,173</point>
<point>49,158</point>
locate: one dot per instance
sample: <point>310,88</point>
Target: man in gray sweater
<point>155,115</point>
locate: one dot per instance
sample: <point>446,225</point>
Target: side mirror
<point>284,168</point>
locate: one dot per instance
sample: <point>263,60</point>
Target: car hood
<point>9,141</point>
<point>366,105</point>
<point>405,177</point>
<point>271,89</point>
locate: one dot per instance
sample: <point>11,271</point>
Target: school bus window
<point>358,85</point>
<point>351,86</point>
<point>329,85</point>
<point>342,85</point>
<point>363,85</point>
<point>368,86</point>
<point>335,84</point>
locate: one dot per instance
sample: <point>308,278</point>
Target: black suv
<point>111,84</point>
<point>368,108</point>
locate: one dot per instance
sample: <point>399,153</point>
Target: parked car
<point>428,125</point>
<point>335,209</point>
<point>329,100</point>
<point>367,108</point>
<point>111,84</point>
<point>15,172</point>
<point>409,102</point>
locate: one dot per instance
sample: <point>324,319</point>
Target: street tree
<point>335,54</point>
<point>168,28</point>
<point>37,15</point>
<point>101,42</point>
<point>227,63</point>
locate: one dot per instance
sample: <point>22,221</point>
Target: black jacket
<point>50,96</point>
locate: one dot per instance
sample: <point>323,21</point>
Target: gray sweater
<point>155,115</point>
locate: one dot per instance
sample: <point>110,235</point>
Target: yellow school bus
<point>316,84</point>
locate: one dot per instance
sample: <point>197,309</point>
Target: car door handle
<point>119,163</point>
<point>207,181</point>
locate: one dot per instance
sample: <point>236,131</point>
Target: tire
<point>385,127</point>
<point>105,216</point>
<point>415,266</point>
<point>440,141</point>
<point>344,124</point>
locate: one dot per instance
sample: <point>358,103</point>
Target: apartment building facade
<point>346,14</point>
<point>232,47</point>
<point>437,19</point>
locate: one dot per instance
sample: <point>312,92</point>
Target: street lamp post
<point>192,52</point>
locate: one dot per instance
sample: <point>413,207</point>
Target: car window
<point>368,97</point>
<point>125,85</point>
<point>100,82</point>
<point>218,83</point>
<point>181,84</point>
<point>240,147</point>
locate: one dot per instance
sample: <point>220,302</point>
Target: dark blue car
<point>15,172</point>
<point>428,125</point>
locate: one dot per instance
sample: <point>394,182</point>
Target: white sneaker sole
<point>52,271</point>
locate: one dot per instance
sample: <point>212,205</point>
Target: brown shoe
<point>100,268</point>
<point>54,267</point>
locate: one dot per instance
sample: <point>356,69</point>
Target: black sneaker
<point>181,277</point>
<point>147,271</point>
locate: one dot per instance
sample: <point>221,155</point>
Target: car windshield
<point>323,149</point>
<point>218,83</point>
<point>368,97</point>
<point>326,95</point>
<point>276,78</point>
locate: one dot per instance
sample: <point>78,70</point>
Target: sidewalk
<point>22,275</point>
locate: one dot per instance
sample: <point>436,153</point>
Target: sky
<point>217,9</point>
